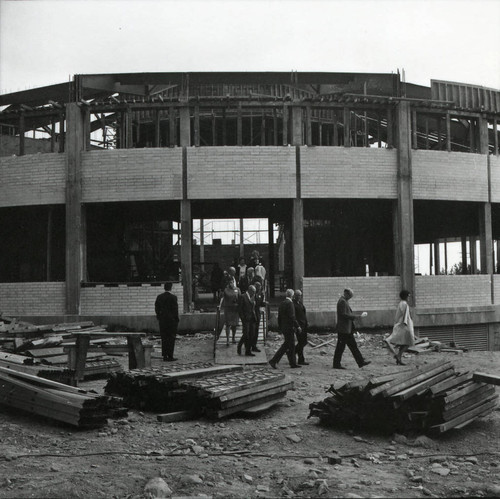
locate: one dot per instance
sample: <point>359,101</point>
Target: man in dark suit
<point>301,317</point>
<point>167,313</point>
<point>345,330</point>
<point>248,320</point>
<point>287,324</point>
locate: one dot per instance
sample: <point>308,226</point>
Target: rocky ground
<point>279,453</point>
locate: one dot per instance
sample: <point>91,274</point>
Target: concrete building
<point>102,177</point>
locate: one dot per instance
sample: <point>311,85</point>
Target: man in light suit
<point>287,324</point>
<point>345,331</point>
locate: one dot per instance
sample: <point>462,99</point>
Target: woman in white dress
<point>402,334</point>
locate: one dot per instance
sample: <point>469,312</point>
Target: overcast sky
<point>44,42</point>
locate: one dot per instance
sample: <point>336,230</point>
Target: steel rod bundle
<point>433,398</point>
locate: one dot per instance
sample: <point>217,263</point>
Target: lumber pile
<point>45,347</point>
<point>195,389</point>
<point>63,403</point>
<point>231,393</point>
<point>434,398</point>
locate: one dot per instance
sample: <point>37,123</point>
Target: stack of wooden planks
<point>231,393</point>
<point>216,391</point>
<point>433,398</point>
<point>54,400</point>
<point>159,389</point>
<point>24,344</point>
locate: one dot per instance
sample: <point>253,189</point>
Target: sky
<point>44,42</point>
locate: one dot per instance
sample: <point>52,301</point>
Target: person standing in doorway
<point>301,317</point>
<point>402,334</point>
<point>287,324</point>
<point>167,313</point>
<point>345,331</point>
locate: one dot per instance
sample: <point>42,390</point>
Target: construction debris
<point>433,398</point>
<point>215,391</point>
<point>57,401</point>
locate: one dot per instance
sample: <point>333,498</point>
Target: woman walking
<point>402,334</point>
<point>230,304</point>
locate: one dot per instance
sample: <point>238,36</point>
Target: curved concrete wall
<point>449,176</point>
<point>33,179</point>
<point>241,172</point>
<point>348,172</point>
<point>132,175</point>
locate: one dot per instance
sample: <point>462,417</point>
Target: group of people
<point>242,299</point>
<point>292,322</point>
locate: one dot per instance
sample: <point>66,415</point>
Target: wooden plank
<point>256,396</point>
<point>409,392</point>
<point>45,352</point>
<point>233,410</point>
<point>492,379</point>
<point>479,391</point>
<point>406,375</point>
<point>438,388</point>
<point>172,417</point>
<point>283,384</point>
<point>468,388</point>
<point>468,404</point>
<point>203,371</point>
<point>474,413</point>
<point>228,390</point>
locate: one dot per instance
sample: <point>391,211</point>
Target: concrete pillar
<point>486,238</point>
<point>297,126</point>
<point>242,239</point>
<point>186,220</point>
<point>298,243</point>
<point>75,233</point>
<point>270,257</point>
<point>186,254</point>
<point>405,199</point>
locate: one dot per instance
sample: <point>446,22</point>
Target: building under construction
<point>103,179</point>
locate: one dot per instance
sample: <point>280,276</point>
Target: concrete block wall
<point>9,145</point>
<point>495,178</point>
<point>370,293</point>
<point>32,179</point>
<point>348,172</point>
<point>449,176</point>
<point>496,288</point>
<point>29,298</point>
<point>132,175</point>
<point>437,291</point>
<point>241,172</point>
<point>123,299</point>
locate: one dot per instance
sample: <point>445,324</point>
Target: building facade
<point>356,170</point>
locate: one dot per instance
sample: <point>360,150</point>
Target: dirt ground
<point>279,453</point>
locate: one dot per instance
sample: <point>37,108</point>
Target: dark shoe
<point>170,359</point>
<point>255,349</point>
<point>239,350</point>
<point>249,354</point>
<point>365,363</point>
<point>295,366</point>
<point>273,364</point>
<point>303,363</point>
<point>339,367</point>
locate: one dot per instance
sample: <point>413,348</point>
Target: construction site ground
<point>278,453</point>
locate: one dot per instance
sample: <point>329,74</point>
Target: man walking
<point>301,317</point>
<point>287,324</point>
<point>345,330</point>
<point>167,313</point>
<point>248,320</point>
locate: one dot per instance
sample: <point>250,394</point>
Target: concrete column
<point>270,257</point>
<point>242,239</point>
<point>186,254</point>
<point>75,233</point>
<point>405,199</point>
<point>185,126</point>
<point>298,243</point>
<point>486,238</point>
<point>297,126</point>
